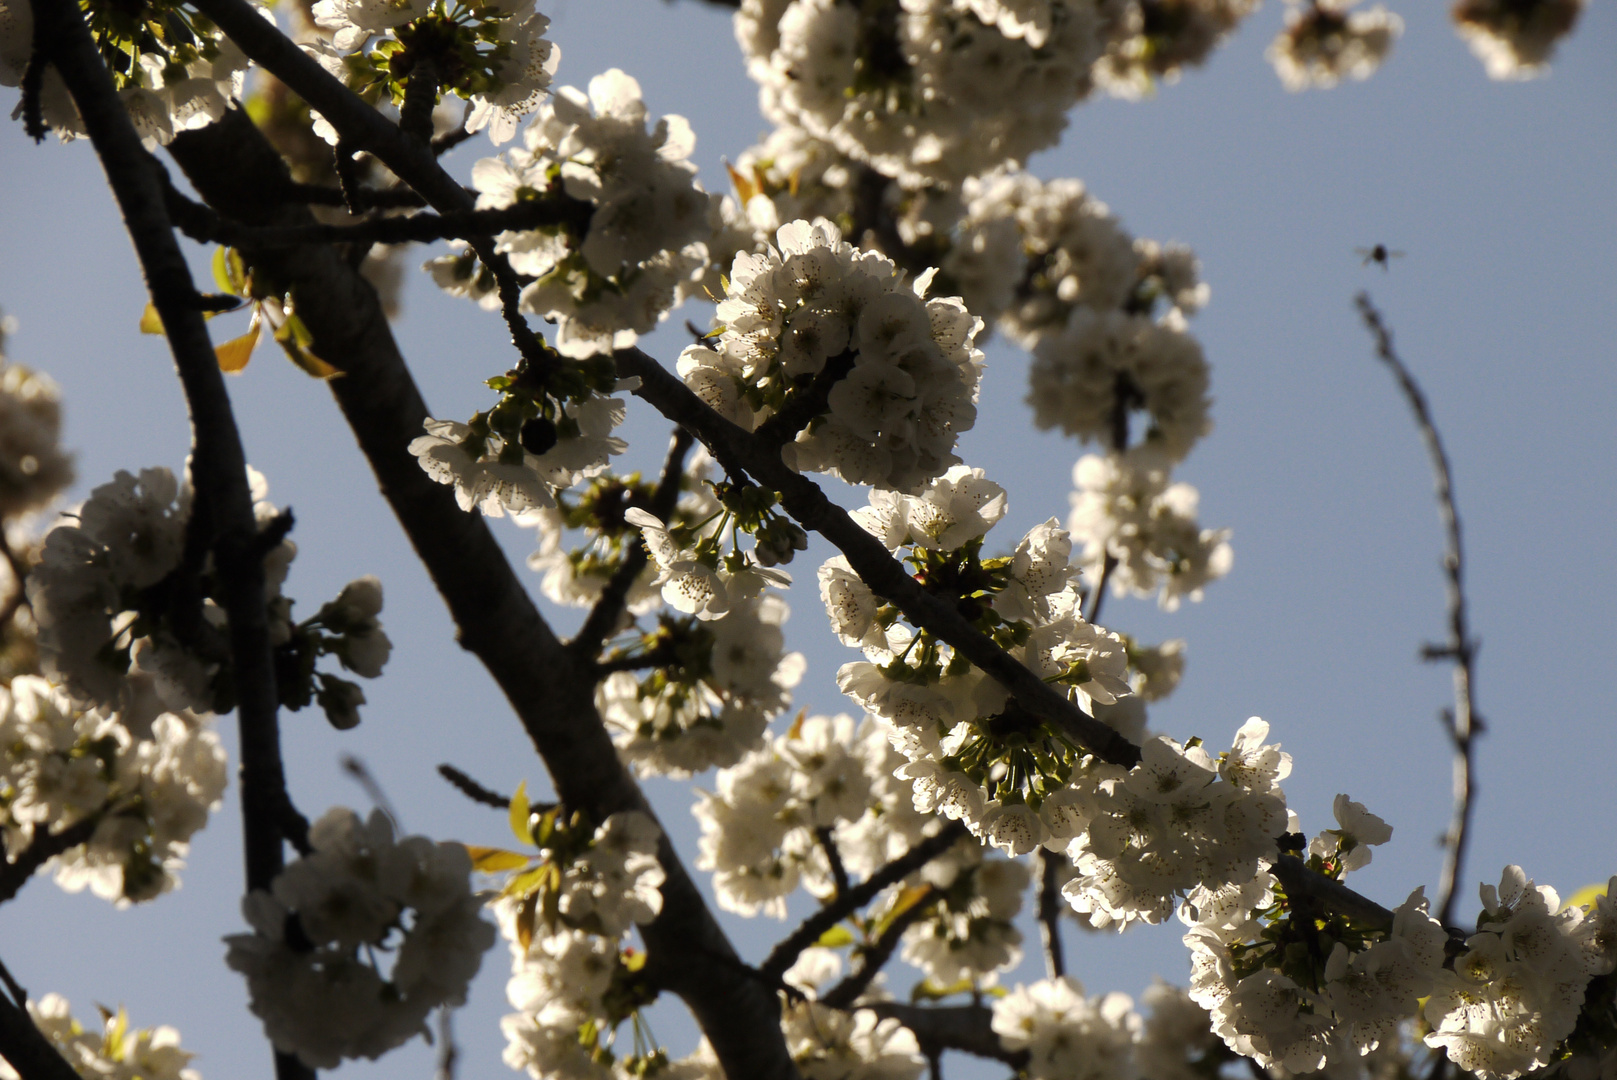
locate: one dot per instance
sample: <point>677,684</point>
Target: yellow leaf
<point>796,730</point>
<point>745,189</point>
<point>529,882</point>
<point>835,938</point>
<point>633,959</point>
<point>910,897</point>
<point>229,272</point>
<point>491,860</point>
<point>525,916</point>
<point>150,321</point>
<point>234,354</point>
<point>520,813</point>
<point>1585,896</point>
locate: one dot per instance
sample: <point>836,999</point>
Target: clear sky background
<point>1505,306</point>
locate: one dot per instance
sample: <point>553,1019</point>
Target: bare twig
<point>875,955</point>
<point>785,953</point>
<point>1462,724</point>
<point>472,789</point>
<point>218,462</point>
<point>13,987</point>
<point>605,616</point>
<point>1050,905</point>
<point>1108,564</point>
<point>201,223</point>
<point>355,767</point>
<point>448,1050</point>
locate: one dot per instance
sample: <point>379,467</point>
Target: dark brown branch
<point>874,957</point>
<point>398,198</point>
<point>1463,725</point>
<point>238,172</point>
<point>27,1049</point>
<point>472,789</point>
<point>807,403</point>
<point>833,858</point>
<point>607,612</point>
<point>361,128</point>
<point>966,1028</point>
<point>420,98</point>
<point>785,953</point>
<point>741,452</point>
<point>1302,883</point>
<point>201,223</point>
<point>1108,564</point>
<point>1050,908</point>
<point>40,850</point>
<point>218,461</point>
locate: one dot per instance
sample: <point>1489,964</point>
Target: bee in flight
<point>1379,255</point>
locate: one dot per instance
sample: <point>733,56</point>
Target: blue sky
<point>1505,305</point>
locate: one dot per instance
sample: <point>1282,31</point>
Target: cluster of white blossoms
<point>572,983</point>
<point>173,70</point>
<point>1105,364</point>
<point>492,54</point>
<point>1029,253</point>
<point>575,576</point>
<point>118,1053</point>
<point>927,91</point>
<point>1517,990</point>
<point>760,822</point>
<point>1125,512</point>
<point>1150,40</point>
<point>1179,821</point>
<point>1066,1035</point>
<point>1515,39</point>
<point>113,632</point>
<point>814,308</point>
<point>734,676</point>
<point>311,962</point>
<point>968,934</point>
<point>641,238</point>
<point>33,467</point>
<point>148,783</point>
<point>967,754</point>
<point>833,1044</point>
<point>1326,42</point>
<point>499,473</point>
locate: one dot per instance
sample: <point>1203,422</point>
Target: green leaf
<point>520,814</point>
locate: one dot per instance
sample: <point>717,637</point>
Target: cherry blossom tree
<point>997,753</point>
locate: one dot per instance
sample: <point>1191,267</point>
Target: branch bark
<point>550,689</point>
<point>26,1048</point>
<point>40,850</point>
<point>218,461</point>
<point>743,453</point>
<point>1463,724</point>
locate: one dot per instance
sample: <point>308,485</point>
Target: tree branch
<point>806,403</point>
<point>201,223</point>
<point>833,858</point>
<point>785,953</point>
<point>236,170</point>
<point>361,127</point>
<point>967,1028</point>
<point>1463,724</point>
<point>472,789</point>
<point>876,955</point>
<point>1050,905</point>
<point>604,617</point>
<point>40,850</point>
<point>742,452</point>
<point>218,462</point>
<point>27,1049</point>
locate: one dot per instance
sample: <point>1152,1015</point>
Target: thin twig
<point>833,857</point>
<point>203,224</point>
<point>785,953</point>
<point>13,987</point>
<point>355,767</point>
<point>472,789</point>
<point>1463,724</point>
<point>396,198</point>
<point>878,952</point>
<point>1108,564</point>
<point>658,657</point>
<point>967,1028</point>
<point>448,1050</point>
<point>605,616</point>
<point>1050,905</point>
